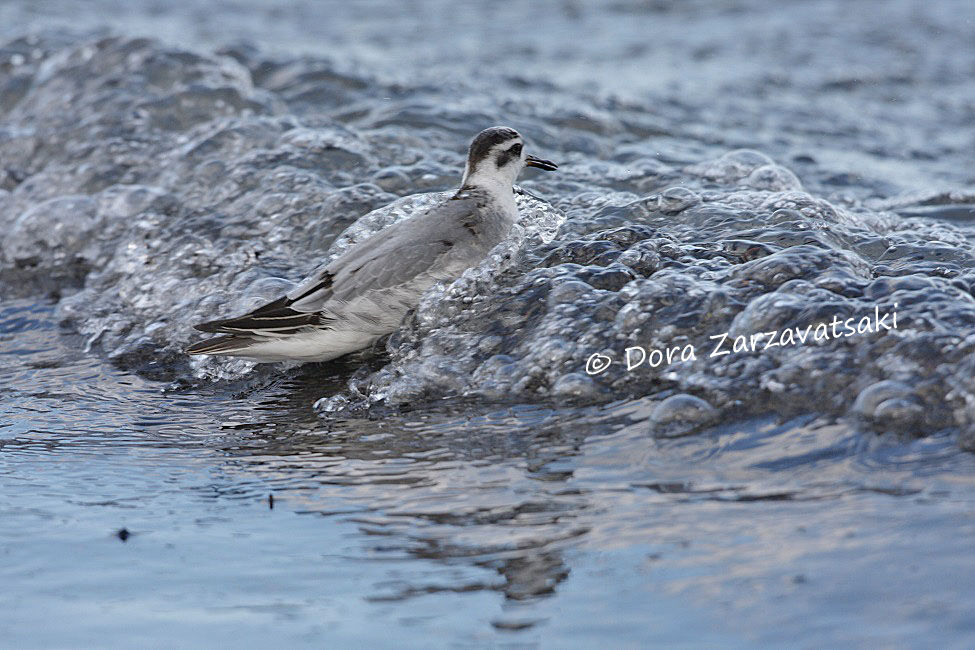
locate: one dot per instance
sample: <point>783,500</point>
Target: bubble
<point>773,178</point>
<point>731,166</point>
<point>675,200</point>
<point>575,384</point>
<point>887,392</point>
<point>54,232</point>
<point>680,415</point>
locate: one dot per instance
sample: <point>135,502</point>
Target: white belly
<point>320,345</point>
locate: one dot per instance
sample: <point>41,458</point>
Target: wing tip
<point>219,345</point>
<point>208,327</point>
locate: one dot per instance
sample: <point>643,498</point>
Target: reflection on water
<point>520,521</point>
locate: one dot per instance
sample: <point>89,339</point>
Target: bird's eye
<point>516,150</point>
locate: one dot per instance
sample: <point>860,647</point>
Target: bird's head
<point>496,157</point>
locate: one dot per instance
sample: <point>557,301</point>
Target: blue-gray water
<point>724,167</point>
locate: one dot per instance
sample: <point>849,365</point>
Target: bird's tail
<point>221,345</point>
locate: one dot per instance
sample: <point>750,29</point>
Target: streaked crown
<point>485,141</point>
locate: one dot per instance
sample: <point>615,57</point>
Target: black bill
<point>547,165</point>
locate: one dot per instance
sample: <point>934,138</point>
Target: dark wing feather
<point>318,286</point>
<point>277,316</point>
<point>221,345</point>
<point>282,321</point>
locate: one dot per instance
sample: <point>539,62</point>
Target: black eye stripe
<point>504,157</point>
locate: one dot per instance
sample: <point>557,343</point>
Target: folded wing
<point>395,257</point>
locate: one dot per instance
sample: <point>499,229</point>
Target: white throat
<point>499,187</point>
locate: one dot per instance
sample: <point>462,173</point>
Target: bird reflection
<point>449,483</point>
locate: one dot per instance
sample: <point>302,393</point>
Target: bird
<point>363,295</point>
